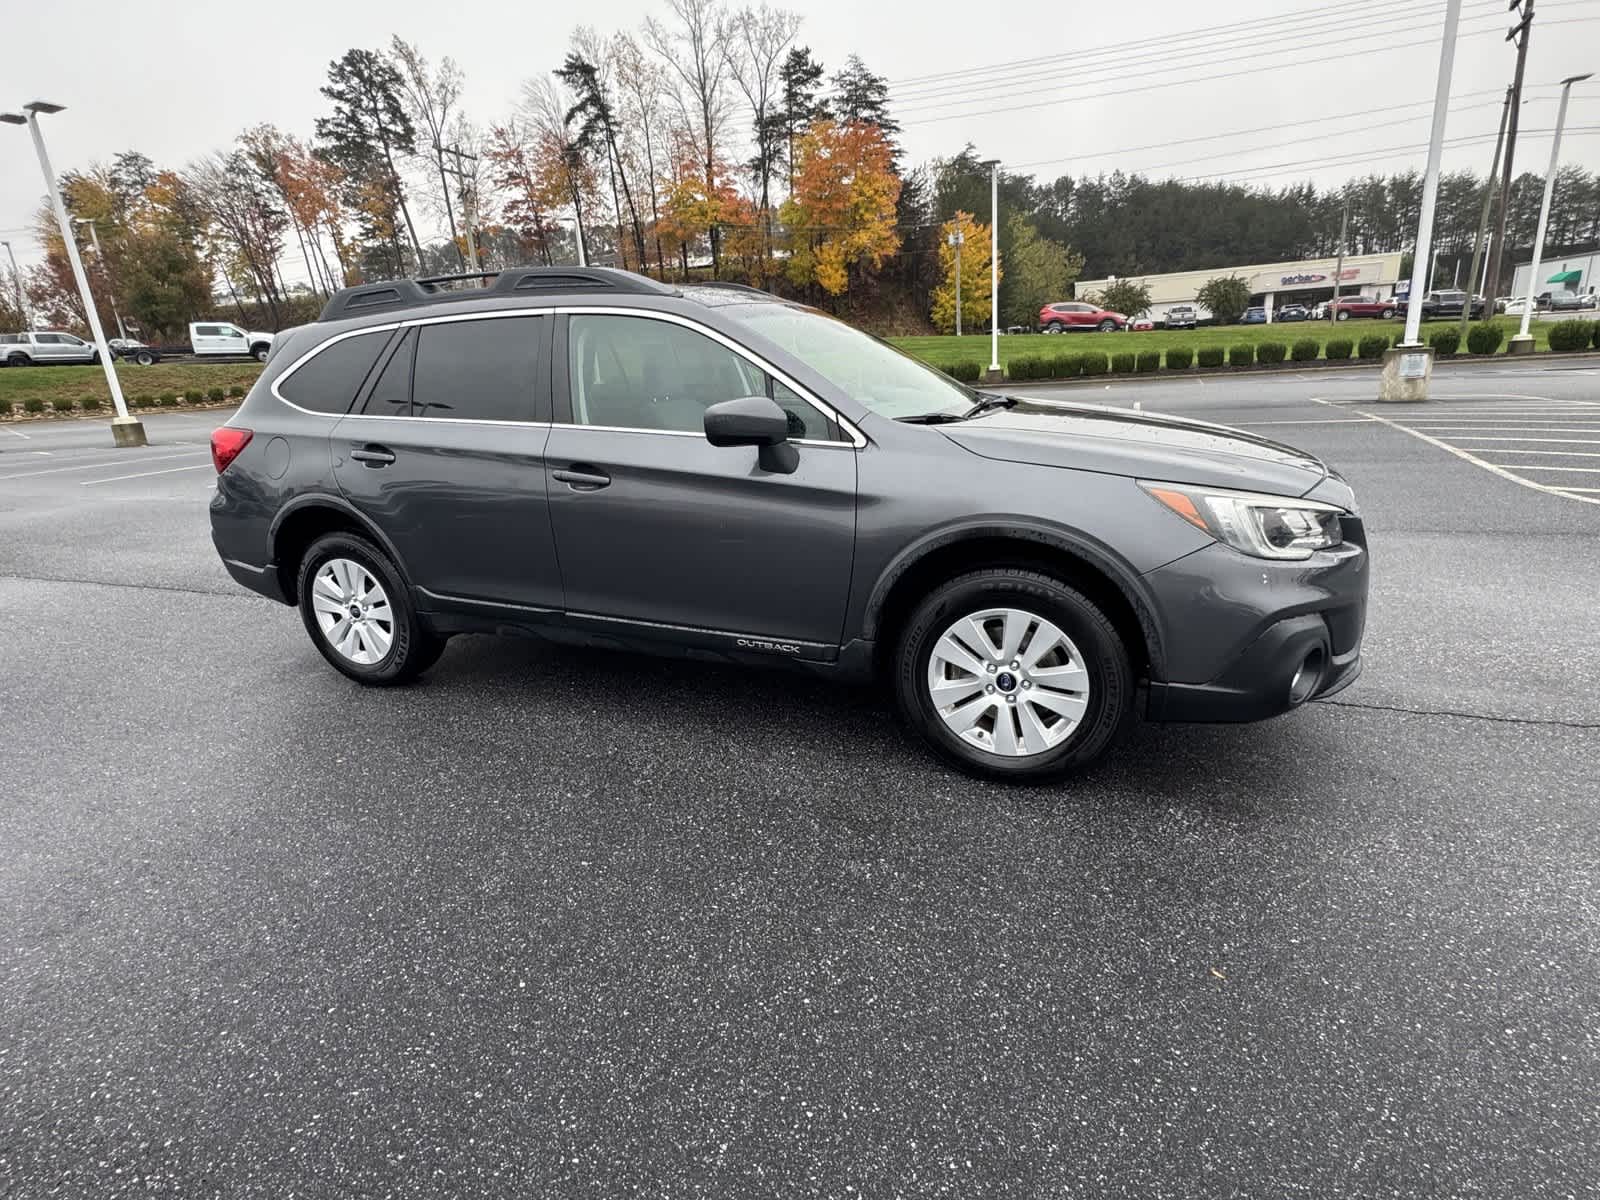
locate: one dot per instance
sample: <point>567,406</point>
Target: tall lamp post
<point>1523,342</point>
<point>105,271</point>
<point>958,239</point>
<point>16,278</point>
<point>994,269</point>
<point>125,430</point>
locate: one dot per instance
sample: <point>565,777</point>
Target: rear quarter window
<point>331,378</point>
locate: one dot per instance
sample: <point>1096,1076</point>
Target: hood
<point>1120,441</point>
<point>256,335</point>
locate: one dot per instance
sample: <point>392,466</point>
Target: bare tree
<point>430,98</point>
<point>587,72</point>
<point>549,110</point>
<point>696,51</point>
<point>643,89</point>
<point>242,215</point>
<point>755,50</point>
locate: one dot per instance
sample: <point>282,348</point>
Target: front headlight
<point>1281,527</point>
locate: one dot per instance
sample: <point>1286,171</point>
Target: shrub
<point>1149,360</point>
<point>1485,337</point>
<point>1123,362</point>
<point>1337,348</point>
<point>1209,356</point>
<point>1242,354</point>
<point>1305,350</point>
<point>216,395</point>
<point>1024,366</point>
<point>168,400</point>
<point>1179,358</point>
<point>1095,362</point>
<point>193,396</point>
<point>966,372</point>
<point>1445,341</point>
<point>1271,352</point>
<point>1066,366</point>
<point>1571,335</point>
<point>1597,335</point>
<point>144,401</point>
<point>90,403</point>
<point>63,404</point>
<point>236,392</point>
<point>33,404</point>
<point>5,406</point>
<point>1372,346</point>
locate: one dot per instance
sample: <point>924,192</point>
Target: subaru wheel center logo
<point>1005,681</point>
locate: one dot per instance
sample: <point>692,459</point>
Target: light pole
<point>994,269</point>
<point>105,271</point>
<point>16,278</point>
<point>1523,342</point>
<point>957,239</point>
<point>1407,367</point>
<point>125,430</point>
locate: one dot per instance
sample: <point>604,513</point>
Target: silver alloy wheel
<point>1008,682</point>
<point>352,611</point>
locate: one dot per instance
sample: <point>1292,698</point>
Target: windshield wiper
<point>988,402</point>
<point>932,418</point>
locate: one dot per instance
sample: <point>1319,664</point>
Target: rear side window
<point>482,370</point>
<point>391,395</point>
<point>329,380</point>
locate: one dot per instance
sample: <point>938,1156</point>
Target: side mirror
<point>754,421</point>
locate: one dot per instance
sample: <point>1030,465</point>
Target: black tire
<point>1107,325</point>
<point>1388,314</point>
<point>94,359</point>
<point>1111,680</point>
<point>1054,327</point>
<point>19,360</point>
<point>1343,315</point>
<point>412,649</point>
<point>144,358</point>
<point>259,353</point>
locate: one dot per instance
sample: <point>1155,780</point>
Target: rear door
<point>445,453</point>
<point>661,531</point>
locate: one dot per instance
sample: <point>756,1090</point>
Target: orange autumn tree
<point>840,214</point>
<point>688,212</point>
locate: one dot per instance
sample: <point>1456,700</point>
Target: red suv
<point>1364,306</point>
<point>1074,314</point>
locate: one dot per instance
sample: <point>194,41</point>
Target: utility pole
<point>468,197</point>
<point>957,239</point>
<point>105,272</point>
<point>1524,28</point>
<point>1523,342</point>
<point>1483,222</point>
<point>16,278</point>
<point>1338,270</point>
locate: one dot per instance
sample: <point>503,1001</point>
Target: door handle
<point>582,478</point>
<point>373,456</point>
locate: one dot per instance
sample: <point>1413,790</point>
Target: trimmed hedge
<point>1485,337</point>
<point>1372,346</point>
<point>216,395</point>
<point>1123,362</point>
<point>1242,354</point>
<point>33,404</point>
<point>967,372</point>
<point>1026,366</point>
<point>1571,335</point>
<point>62,404</point>
<point>1066,366</point>
<point>90,403</point>
<point>236,392</point>
<point>1149,360</point>
<point>1597,335</point>
<point>1209,356</point>
<point>1337,348</point>
<point>193,396</point>
<point>1305,350</point>
<point>1095,362</point>
<point>144,401</point>
<point>5,406</point>
<point>168,400</point>
<point>1271,352</point>
<point>1445,341</point>
<point>1179,358</point>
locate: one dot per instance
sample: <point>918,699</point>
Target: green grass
<point>943,350</point>
<point>75,383</point>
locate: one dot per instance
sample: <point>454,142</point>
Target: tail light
<point>226,444</point>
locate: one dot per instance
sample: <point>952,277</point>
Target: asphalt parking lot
<point>565,924</point>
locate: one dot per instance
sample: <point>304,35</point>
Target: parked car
<point>133,350</point>
<point>1291,312</point>
<point>1182,316</point>
<point>45,347</point>
<point>1346,307</point>
<point>1074,314</point>
<point>1139,324</point>
<point>1320,311</point>
<point>1516,306</point>
<point>1445,303</point>
<point>1254,315</point>
<point>1572,301</point>
<point>715,472</point>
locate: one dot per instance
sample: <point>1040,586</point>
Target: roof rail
<point>726,285</point>
<point>432,289</point>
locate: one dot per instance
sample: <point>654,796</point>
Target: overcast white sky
<point>176,79</point>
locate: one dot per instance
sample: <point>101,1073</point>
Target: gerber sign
<point>1301,279</point>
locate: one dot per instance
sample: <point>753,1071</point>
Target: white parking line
<point>1558,441</point>
<point>18,433</point>
<point>1542,467</point>
<point>1557,453</point>
<point>96,464</point>
<point>141,474</point>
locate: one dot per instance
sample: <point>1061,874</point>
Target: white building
<point>1577,273</point>
<point>1271,284</point>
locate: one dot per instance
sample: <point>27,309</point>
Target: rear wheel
<point>1343,316</point>
<point>1013,674</point>
<point>1388,314</point>
<point>19,360</point>
<point>358,611</point>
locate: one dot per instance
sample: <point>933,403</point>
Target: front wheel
<point>259,353</point>
<point>1012,674</point>
<point>144,358</point>
<point>1343,316</point>
<point>358,611</point>
<point>1388,314</point>
<point>1107,325</point>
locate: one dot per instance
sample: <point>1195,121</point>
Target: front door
<point>656,526</point>
<point>445,454</point>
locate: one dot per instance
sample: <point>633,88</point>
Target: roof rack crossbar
<point>410,293</point>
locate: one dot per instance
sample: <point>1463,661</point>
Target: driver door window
<point>644,374</point>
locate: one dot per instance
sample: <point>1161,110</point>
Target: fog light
<point>1307,678</point>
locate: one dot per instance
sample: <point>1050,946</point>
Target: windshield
<point>871,372</point>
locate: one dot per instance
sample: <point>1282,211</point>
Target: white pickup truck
<point>207,339</point>
<point>216,339</point>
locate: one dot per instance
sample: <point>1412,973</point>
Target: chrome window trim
<point>836,445</point>
<point>853,436</point>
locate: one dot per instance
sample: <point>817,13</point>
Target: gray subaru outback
<point>596,458</point>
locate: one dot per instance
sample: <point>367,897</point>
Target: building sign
<point>1317,275</point>
<point>1303,278</point>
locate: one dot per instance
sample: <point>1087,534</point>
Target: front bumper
<point>1249,638</point>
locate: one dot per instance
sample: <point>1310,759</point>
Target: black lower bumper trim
<point>257,579</point>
